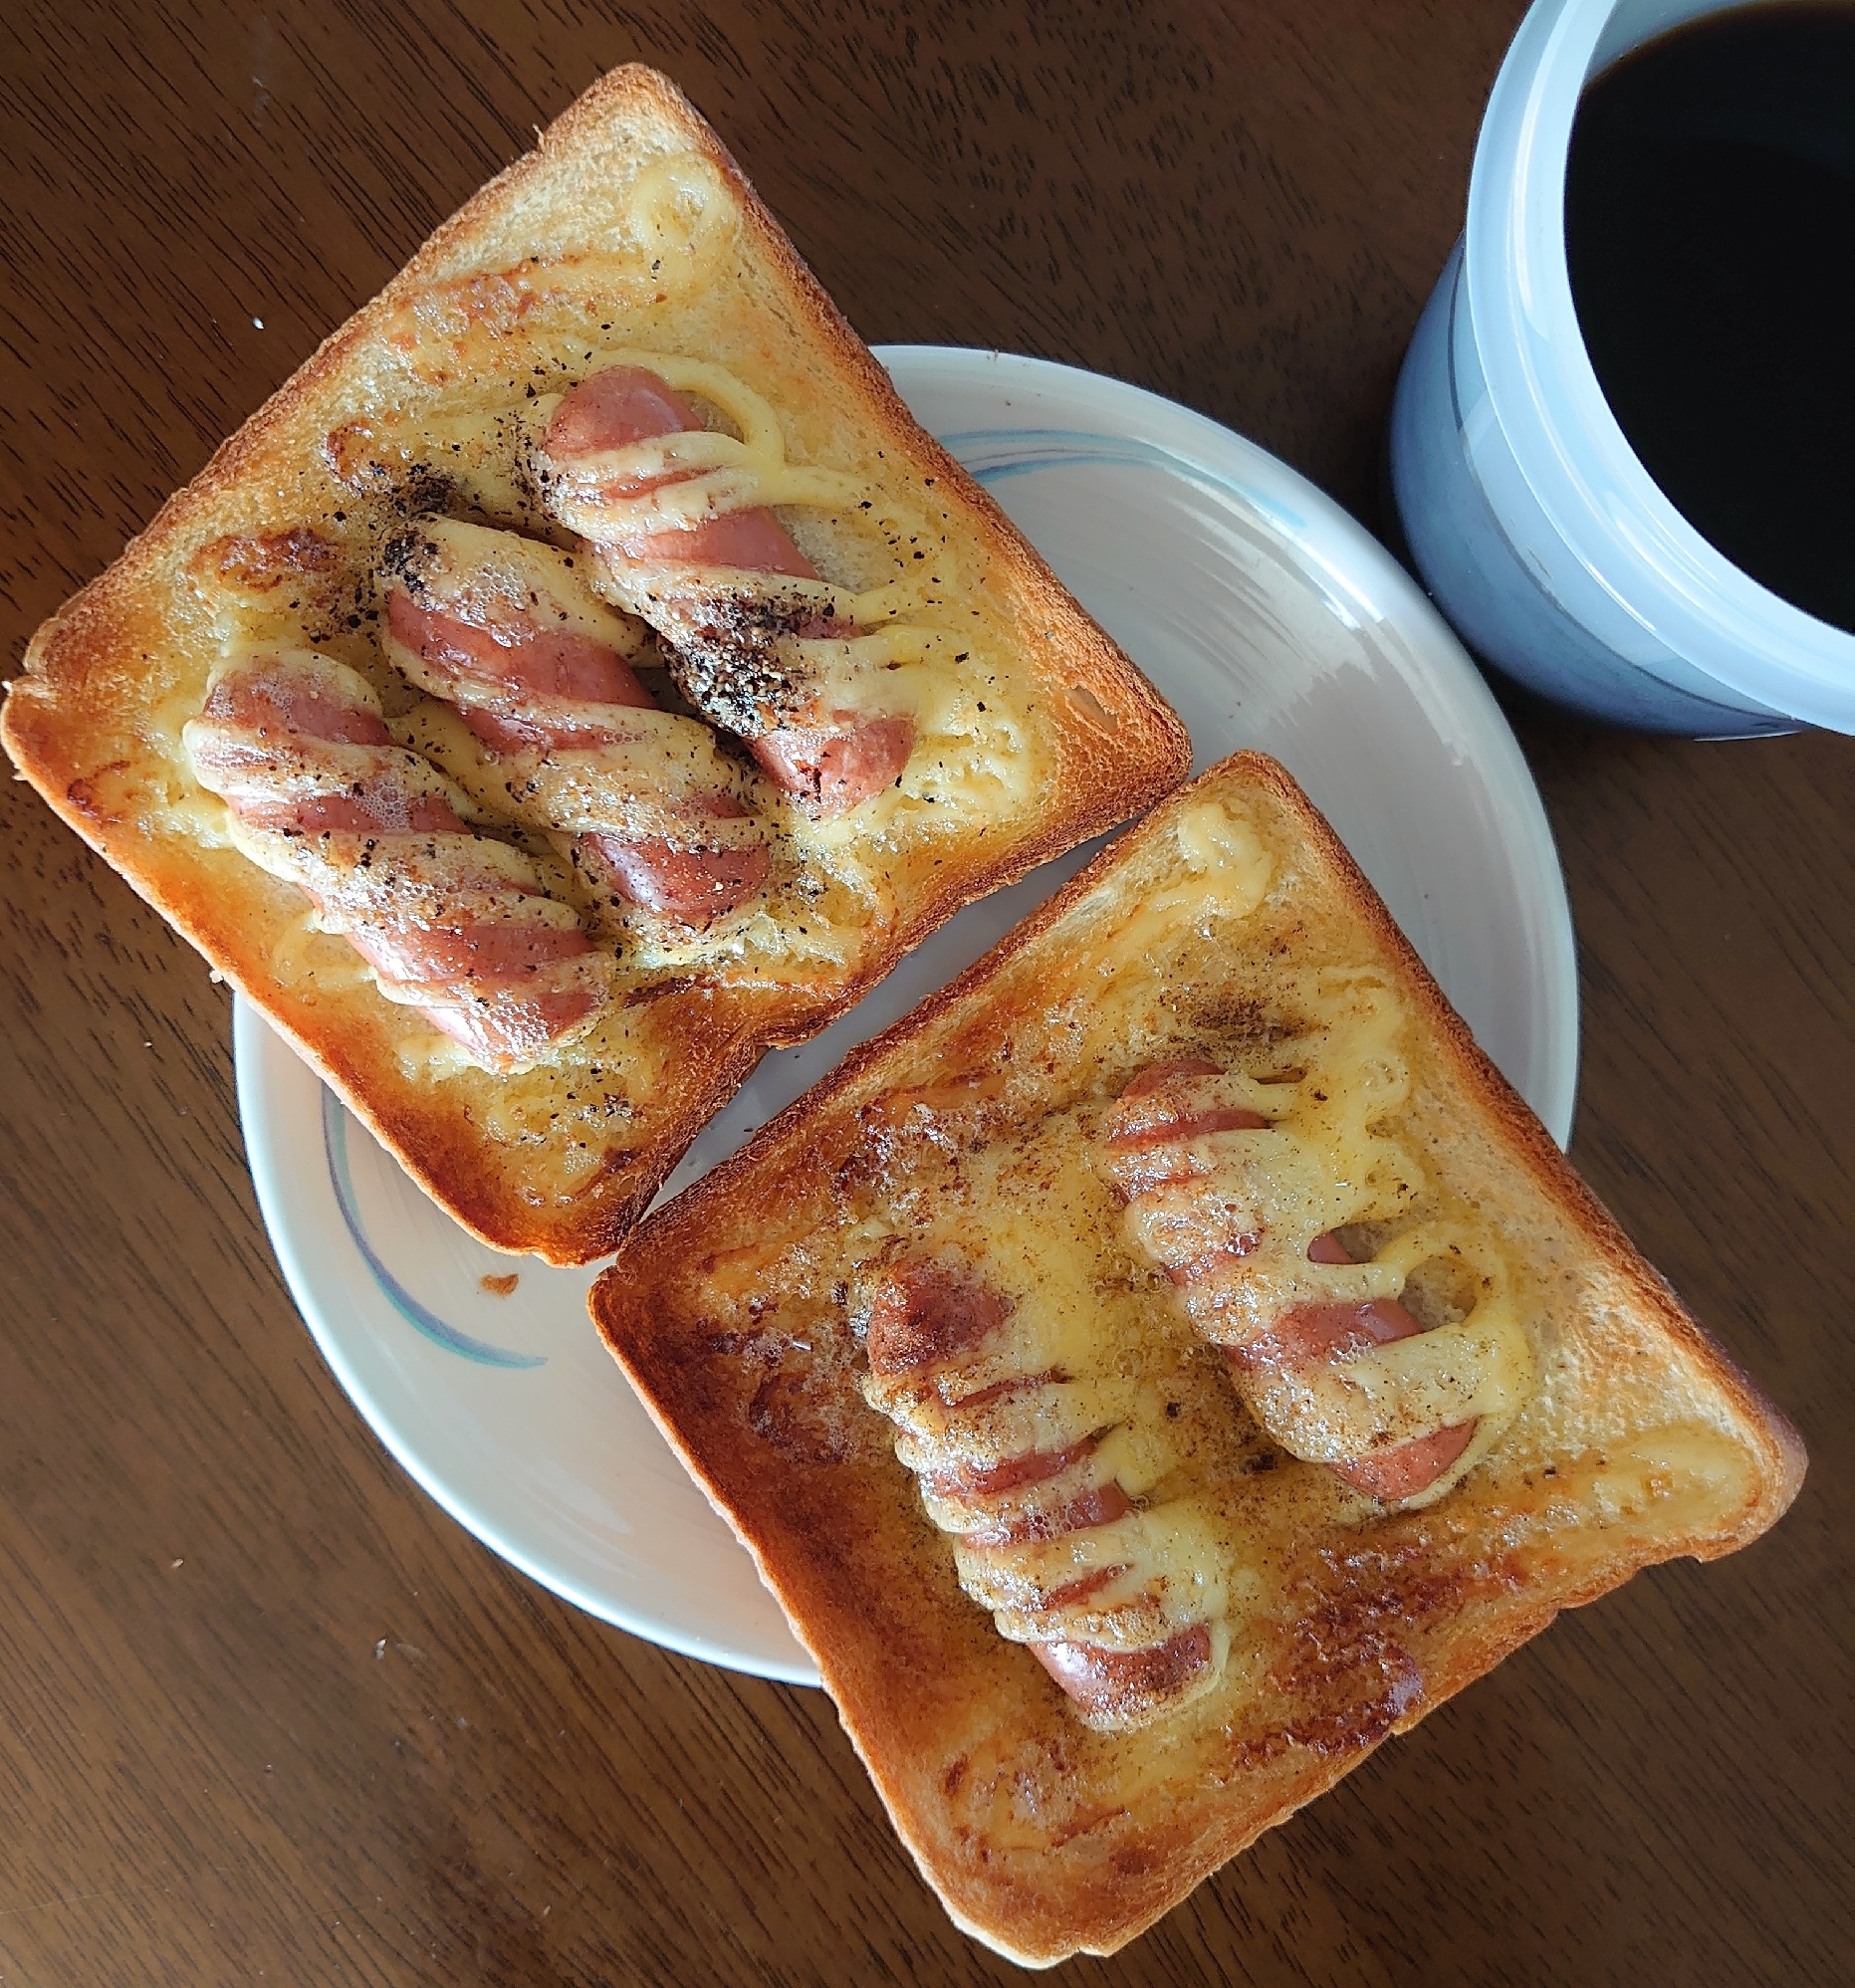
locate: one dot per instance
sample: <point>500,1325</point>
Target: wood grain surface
<point>207,1775</point>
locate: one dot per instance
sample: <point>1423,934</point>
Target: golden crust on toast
<point>735,1312</point>
<point>628,229</point>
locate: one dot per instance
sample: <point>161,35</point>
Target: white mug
<point>1535,525</point>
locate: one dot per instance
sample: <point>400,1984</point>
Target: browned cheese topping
<point>453,923</point>
<point>1012,1339</point>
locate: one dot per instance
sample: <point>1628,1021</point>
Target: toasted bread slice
<point>1276,1618</point>
<point>627,237</point>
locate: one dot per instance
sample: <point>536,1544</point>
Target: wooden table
<point>208,1774</point>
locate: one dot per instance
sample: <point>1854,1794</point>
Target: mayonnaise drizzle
<point>1243,1206</point>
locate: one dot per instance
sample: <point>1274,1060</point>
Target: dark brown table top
<point>205,1774</point>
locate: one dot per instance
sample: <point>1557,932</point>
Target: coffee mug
<point>1528,516</point>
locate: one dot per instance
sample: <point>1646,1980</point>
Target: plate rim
<point>1140,412</point>
<point>1556,1110</point>
<point>254,1044</point>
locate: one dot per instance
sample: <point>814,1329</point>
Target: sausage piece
<point>1107,1680</point>
<point>1305,1333</point>
<point>525,686</point>
<point>1148,1136</point>
<point>930,1313</point>
<point>926,1313</point>
<point>452,925</point>
<point>840,760</point>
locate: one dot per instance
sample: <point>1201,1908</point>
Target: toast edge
<point>44,733</point>
<point>1767,1433</point>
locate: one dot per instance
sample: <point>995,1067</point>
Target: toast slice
<point>418,440</point>
<point>1011,1354</point>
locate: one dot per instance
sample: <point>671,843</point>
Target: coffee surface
<point>1710,231</point>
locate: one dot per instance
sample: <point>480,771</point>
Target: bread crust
<point>726,1311</point>
<point>93,721</point>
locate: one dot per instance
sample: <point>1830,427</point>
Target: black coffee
<point>1710,227</point>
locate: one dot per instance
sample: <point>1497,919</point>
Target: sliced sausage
<point>1106,1682</point>
<point>926,1313</point>
<point>832,766</point>
<point>526,662</point>
<point>1306,1333</point>
<point>525,687</point>
<point>1101,1504</point>
<point>838,766</point>
<point>1146,1137</point>
<point>296,748</point>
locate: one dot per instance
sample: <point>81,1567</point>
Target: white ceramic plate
<point>1268,619</point>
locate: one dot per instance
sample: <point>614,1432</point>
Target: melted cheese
<point>1078,1337</point>
<point>1227,876</point>
<point>1067,1345</point>
<point>1653,1483</point>
<point>974,760</point>
<point>1221,876</point>
<point>201,819</point>
<point>1244,1205</point>
<point>711,473</point>
<point>499,580</point>
<point>425,1057</point>
<point>683,219</point>
<point>1174,1574</point>
<point>1344,1407</point>
<point>309,960</point>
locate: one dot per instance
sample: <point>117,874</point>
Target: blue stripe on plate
<point>421,1317</point>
